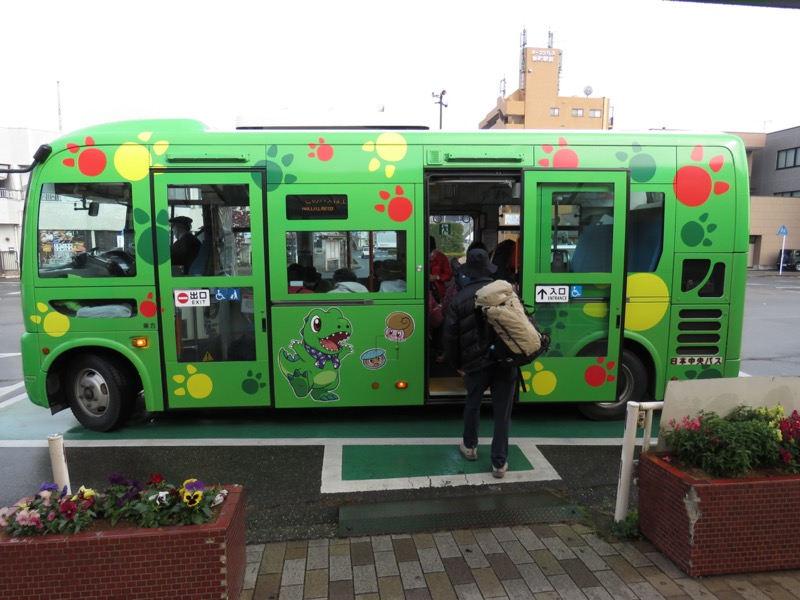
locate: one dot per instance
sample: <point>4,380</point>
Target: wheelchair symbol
<point>576,291</point>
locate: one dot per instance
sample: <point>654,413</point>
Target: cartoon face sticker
<point>399,327</point>
<point>374,358</point>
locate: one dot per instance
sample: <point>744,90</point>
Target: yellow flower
<point>87,493</point>
<point>192,499</point>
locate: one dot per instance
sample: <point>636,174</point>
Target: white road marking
<point>13,400</point>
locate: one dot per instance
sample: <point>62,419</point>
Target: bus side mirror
<point>94,209</point>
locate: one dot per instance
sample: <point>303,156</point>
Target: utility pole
<point>440,102</point>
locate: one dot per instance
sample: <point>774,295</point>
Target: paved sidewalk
<point>545,562</point>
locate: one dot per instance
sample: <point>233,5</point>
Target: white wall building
<point>17,146</point>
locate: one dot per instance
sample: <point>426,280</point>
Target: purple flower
<point>117,479</point>
<point>195,486</point>
<point>48,487</point>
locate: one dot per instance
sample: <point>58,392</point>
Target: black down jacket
<point>464,345</point>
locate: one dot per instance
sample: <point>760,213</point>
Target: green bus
<point>195,268</point>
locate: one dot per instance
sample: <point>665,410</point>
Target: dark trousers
<point>502,378</point>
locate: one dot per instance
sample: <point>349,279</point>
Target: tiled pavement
<point>545,562</point>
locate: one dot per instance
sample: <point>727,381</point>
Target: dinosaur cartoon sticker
<point>311,364</point>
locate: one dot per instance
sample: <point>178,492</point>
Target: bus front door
<point>574,276</point>
<point>212,288</point>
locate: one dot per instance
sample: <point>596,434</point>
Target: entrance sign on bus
<point>552,293</point>
<point>192,298</point>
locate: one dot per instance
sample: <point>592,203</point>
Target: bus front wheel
<point>631,385</point>
<point>99,393</point>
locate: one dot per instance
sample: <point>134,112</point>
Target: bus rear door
<point>212,287</point>
<point>574,275</point>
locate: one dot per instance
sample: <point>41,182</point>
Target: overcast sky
<point>676,65</point>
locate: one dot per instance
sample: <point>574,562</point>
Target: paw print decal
<point>276,176</point>
<point>694,233</point>
<point>597,375</point>
<point>390,148</point>
<point>148,308</point>
<point>564,158</point>
<point>399,207</point>
<point>321,151</point>
<point>253,383</point>
<point>197,385</point>
<point>693,184</point>
<point>543,382</point>
<point>91,161</point>
<point>641,164</point>
<point>54,323</point>
<point>705,372</point>
<point>133,160</point>
<point>144,245</point>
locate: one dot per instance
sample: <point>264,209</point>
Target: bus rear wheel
<point>631,385</point>
<point>100,394</point>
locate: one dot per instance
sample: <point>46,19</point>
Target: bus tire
<point>631,385</point>
<point>100,394</point>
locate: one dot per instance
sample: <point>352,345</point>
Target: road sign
<point>552,293</point>
<point>783,230</point>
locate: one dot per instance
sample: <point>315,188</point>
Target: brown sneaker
<point>499,472</point>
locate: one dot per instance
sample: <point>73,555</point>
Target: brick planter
<point>193,561</point>
<point>711,527</point>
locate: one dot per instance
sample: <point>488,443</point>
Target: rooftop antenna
<point>503,87</point>
<point>549,39</point>
<point>440,101</point>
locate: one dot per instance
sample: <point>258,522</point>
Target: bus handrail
<point>639,416</point>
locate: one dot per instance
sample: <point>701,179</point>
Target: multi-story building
<point>537,105</point>
<point>17,146</point>
<point>775,196</point>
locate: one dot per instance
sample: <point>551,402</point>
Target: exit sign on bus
<point>192,298</point>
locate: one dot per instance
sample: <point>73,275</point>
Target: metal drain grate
<point>463,512</point>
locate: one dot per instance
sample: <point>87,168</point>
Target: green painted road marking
<point>385,462</point>
<point>526,463</point>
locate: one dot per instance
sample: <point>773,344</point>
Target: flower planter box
<point>711,527</point>
<point>192,561</point>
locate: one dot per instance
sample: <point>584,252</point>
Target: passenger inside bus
<point>346,281</point>
<point>185,247</point>
<point>294,276</point>
<point>392,275</point>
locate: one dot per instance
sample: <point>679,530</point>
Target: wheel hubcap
<point>91,391</point>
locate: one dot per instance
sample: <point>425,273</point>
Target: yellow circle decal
<point>648,302</point>
<point>132,160</point>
